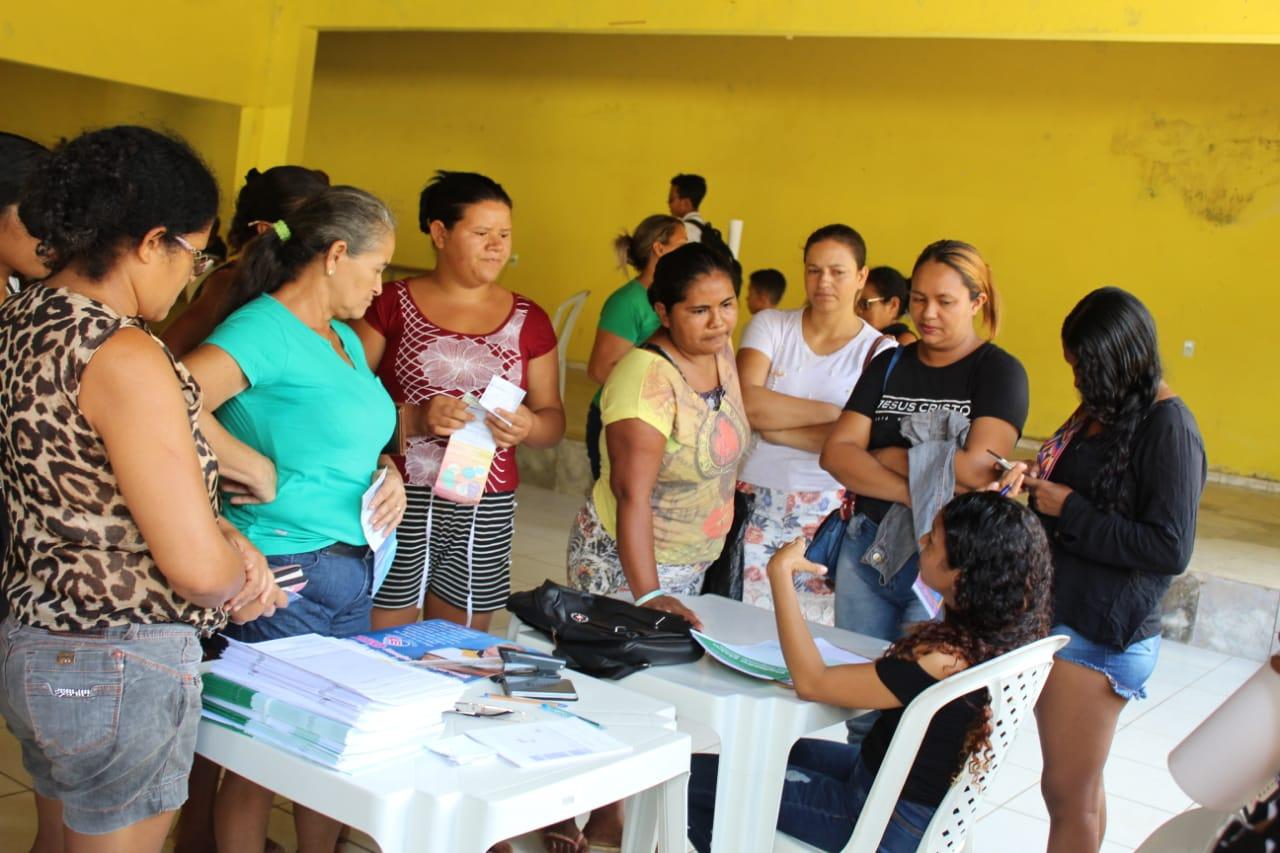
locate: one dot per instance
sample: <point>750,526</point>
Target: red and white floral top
<point>423,358</point>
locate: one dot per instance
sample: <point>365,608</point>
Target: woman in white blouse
<point>797,370</point>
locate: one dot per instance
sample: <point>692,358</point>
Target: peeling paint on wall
<point>1218,168</point>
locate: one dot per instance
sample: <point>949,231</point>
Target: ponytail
<point>279,253</point>
<point>633,249</point>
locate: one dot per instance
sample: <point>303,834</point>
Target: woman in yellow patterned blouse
<point>674,431</point>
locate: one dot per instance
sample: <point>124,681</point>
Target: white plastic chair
<point>1014,681</point>
<point>567,312</point>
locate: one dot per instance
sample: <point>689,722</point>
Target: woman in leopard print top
<point>119,559</point>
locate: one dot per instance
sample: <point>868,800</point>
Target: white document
<point>543,743</point>
<point>765,660</point>
<point>461,749</point>
<point>498,394</point>
<point>382,544</point>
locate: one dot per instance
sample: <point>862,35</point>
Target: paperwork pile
<point>765,661</point>
<point>328,700</point>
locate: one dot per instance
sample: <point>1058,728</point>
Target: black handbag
<point>724,576</point>
<point>603,636</point>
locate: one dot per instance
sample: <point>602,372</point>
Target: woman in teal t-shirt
<point>627,319</point>
<point>290,380</point>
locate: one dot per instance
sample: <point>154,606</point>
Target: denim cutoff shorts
<point>106,719</point>
<point>1127,670</point>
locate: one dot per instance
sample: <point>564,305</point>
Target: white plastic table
<point>426,804</point>
<point>757,721</point>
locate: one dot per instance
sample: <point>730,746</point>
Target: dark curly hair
<point>447,196</point>
<point>1112,338</point>
<point>271,195</point>
<point>94,194</point>
<point>1001,597</point>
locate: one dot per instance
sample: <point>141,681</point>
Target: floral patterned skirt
<point>777,518</point>
<point>594,564</point>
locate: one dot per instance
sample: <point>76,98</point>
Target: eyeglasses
<point>202,262</point>
<point>864,304</point>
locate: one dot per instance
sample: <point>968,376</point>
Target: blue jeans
<point>106,718</point>
<point>826,787</point>
<point>864,602</point>
<point>336,602</point>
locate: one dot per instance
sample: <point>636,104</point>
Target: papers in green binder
<point>765,661</point>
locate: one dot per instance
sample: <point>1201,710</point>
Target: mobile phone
<point>1005,464</point>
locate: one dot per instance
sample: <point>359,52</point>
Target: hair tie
<point>282,230</point>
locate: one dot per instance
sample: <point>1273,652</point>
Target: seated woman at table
<point>989,558</point>
<point>119,560</point>
<point>290,380</point>
<point>675,428</point>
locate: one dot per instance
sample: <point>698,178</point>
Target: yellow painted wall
<point>1153,167</point>
<point>49,105</point>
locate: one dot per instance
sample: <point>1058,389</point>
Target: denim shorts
<point>336,602</point>
<point>106,719</point>
<point>1127,670</point>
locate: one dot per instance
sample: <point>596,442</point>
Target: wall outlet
<point>1188,349</point>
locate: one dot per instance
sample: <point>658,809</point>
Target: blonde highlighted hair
<point>973,271</point>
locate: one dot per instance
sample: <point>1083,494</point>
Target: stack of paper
<point>328,700</point>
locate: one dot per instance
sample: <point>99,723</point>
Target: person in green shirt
<point>289,381</point>
<point>627,319</point>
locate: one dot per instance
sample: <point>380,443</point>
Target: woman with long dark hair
<point>1117,487</point>
<point>988,557</point>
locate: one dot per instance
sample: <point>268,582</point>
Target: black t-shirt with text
<point>986,383</point>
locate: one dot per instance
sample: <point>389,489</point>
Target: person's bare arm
<point>375,345</point>
<point>771,410</point>
<point>973,463</point>
<point>636,450</point>
<point>845,457</point>
<point>189,329</point>
<point>808,438</point>
<point>606,351</point>
<point>133,400</point>
<point>849,685</point>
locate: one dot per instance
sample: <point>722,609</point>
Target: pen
<point>556,709</point>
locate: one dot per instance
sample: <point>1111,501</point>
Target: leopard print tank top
<point>76,560</point>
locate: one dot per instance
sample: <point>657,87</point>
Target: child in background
<point>764,290</point>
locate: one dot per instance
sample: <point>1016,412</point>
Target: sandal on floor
<point>575,843</point>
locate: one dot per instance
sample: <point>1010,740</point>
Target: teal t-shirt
<point>321,421</point>
<point>628,314</point>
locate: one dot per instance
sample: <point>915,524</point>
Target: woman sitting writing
<point>989,558</point>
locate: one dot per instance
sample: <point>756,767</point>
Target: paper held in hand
<point>765,661</point>
<point>381,544</point>
<point>465,467</point>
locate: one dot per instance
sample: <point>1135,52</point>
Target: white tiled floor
<point>1188,683</point>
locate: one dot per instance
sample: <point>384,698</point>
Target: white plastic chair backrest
<point>1014,681</point>
<point>563,321</point>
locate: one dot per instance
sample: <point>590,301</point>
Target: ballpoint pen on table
<point>556,709</point>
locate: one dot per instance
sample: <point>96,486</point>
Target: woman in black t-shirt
<point>988,557</point>
<point>950,367</point>
<point>1117,488</point>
